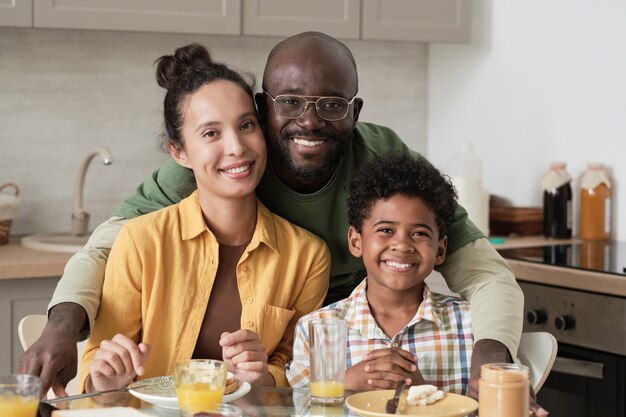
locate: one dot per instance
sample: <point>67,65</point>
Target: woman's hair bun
<point>172,69</point>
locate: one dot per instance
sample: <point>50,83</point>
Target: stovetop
<point>607,257</point>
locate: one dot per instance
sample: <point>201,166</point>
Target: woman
<point>217,275</point>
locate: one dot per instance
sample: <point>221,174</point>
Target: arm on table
<point>482,276</point>
<point>75,303</point>
<point>71,312</point>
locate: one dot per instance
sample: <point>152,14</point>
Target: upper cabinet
<point>182,16</point>
<point>338,18</point>
<point>403,20</point>
<point>179,16</point>
<point>417,20</point>
<point>16,13</point>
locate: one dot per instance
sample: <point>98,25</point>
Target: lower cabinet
<point>19,298</point>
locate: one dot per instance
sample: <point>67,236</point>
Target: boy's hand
<point>116,363</point>
<point>382,369</point>
<point>246,358</point>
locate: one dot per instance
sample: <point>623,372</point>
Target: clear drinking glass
<point>19,395</point>
<point>218,410</point>
<point>200,384</point>
<point>327,358</point>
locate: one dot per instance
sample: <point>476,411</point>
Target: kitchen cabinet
<point>399,20</point>
<point>16,13</point>
<point>19,298</point>
<point>339,18</point>
<point>417,20</point>
<point>27,281</point>
<point>180,16</point>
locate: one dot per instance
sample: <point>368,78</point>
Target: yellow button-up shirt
<point>161,271</point>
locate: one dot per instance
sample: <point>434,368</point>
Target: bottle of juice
<point>595,203</point>
<point>557,201</point>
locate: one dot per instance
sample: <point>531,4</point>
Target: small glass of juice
<point>19,395</point>
<point>327,358</point>
<point>200,384</point>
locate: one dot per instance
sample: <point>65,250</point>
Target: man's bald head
<point>311,43</point>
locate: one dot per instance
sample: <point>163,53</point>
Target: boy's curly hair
<point>401,174</point>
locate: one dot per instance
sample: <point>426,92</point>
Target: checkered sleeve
<point>298,369</point>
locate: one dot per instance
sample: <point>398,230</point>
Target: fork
<point>392,405</point>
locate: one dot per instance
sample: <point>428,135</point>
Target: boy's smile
<point>399,243</point>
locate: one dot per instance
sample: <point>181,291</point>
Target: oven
<point>589,374</point>
<point>588,378</point>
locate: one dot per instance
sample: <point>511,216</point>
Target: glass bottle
<point>595,203</point>
<point>557,201</point>
<point>466,170</point>
<point>504,390</point>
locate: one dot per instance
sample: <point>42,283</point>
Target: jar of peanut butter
<point>595,203</point>
<point>504,390</point>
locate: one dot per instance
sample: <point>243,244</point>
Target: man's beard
<point>278,148</point>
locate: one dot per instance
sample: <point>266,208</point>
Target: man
<point>310,111</point>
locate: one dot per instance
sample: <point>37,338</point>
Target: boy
<point>399,209</point>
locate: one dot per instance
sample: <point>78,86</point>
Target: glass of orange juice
<point>200,384</point>
<point>19,395</point>
<point>327,358</point>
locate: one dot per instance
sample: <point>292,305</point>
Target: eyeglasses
<point>291,106</point>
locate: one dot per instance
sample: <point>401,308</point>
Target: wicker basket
<point>9,205</point>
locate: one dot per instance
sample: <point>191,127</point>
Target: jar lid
<point>595,165</point>
<point>504,372</point>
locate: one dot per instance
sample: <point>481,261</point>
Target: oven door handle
<point>578,367</point>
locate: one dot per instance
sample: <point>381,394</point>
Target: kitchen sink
<point>71,242</point>
<point>55,242</point>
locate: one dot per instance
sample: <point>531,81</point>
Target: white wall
<point>541,81</point>
<point>63,92</point>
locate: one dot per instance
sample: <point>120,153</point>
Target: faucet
<point>80,217</point>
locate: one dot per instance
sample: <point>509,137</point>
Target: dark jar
<point>557,202</point>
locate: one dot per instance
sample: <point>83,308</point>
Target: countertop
<point>17,262</point>
<point>573,278</point>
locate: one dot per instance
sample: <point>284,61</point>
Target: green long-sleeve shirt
<point>472,267</point>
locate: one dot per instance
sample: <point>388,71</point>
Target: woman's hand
<point>116,363</point>
<point>246,358</point>
<point>382,369</point>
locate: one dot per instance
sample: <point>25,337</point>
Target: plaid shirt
<point>439,335</point>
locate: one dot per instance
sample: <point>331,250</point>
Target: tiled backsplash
<point>63,92</point>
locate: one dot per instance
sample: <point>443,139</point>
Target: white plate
<point>162,392</point>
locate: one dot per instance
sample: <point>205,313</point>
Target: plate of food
<point>436,403</point>
<point>161,391</point>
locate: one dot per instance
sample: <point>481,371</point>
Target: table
<point>259,402</point>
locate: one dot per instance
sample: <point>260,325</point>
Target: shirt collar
<point>193,224</point>
<point>359,315</point>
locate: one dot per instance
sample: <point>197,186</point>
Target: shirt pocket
<point>274,322</point>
